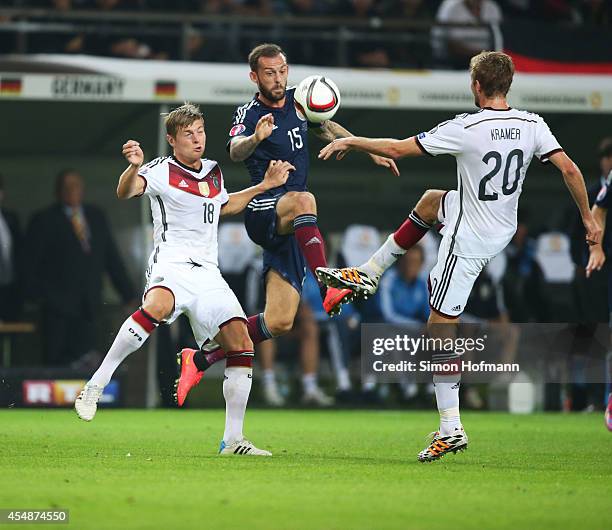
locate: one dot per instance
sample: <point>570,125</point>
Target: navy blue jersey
<point>604,197</point>
<point>288,141</point>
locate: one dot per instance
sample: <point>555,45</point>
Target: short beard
<point>271,97</point>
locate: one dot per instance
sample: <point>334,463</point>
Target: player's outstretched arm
<point>387,147</point>
<point>242,147</point>
<point>130,183</point>
<point>276,175</point>
<point>597,256</point>
<point>575,183</point>
<point>330,131</point>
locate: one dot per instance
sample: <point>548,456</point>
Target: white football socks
<point>383,258</point>
<point>130,337</point>
<point>309,383</point>
<point>268,378</point>
<point>236,390</point>
<point>447,398</point>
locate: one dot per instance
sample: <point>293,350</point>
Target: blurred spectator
<point>596,12</point>
<point>358,244</point>
<point>10,251</point>
<point>310,8</point>
<point>404,297</point>
<point>486,305</point>
<point>236,254</point>
<point>306,331</point>
<point>57,42</point>
<point>258,8</point>
<point>125,46</point>
<point>218,7</point>
<point>521,291</point>
<point>454,46</point>
<point>369,54</point>
<point>544,10</point>
<point>310,315</point>
<point>69,248</point>
<point>407,9</point>
<point>590,298</point>
<point>309,50</point>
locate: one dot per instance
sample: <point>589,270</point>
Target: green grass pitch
<point>330,470</point>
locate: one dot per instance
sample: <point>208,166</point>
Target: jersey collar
<point>497,110</point>
<point>187,167</point>
<point>272,108</point>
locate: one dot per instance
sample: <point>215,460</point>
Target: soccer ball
<point>317,98</point>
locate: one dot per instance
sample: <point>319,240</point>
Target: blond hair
<point>182,117</point>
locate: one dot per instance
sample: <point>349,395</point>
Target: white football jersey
<point>185,205</point>
<point>493,149</point>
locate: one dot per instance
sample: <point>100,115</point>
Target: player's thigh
<point>446,205</point>
<point>234,336</point>
<point>168,291</point>
<point>282,302</point>
<point>213,307</point>
<point>429,205</point>
<point>451,281</point>
<point>289,206</point>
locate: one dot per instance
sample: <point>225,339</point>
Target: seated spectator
<point>404,297</point>
<point>306,331</point>
<point>454,46</point>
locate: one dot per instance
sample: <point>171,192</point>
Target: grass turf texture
<point>330,470</point>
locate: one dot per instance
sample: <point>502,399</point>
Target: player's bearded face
<point>272,77</point>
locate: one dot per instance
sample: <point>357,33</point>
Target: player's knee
<point>427,207</point>
<point>157,310</point>
<point>280,325</point>
<point>241,343</point>
<point>159,304</point>
<point>305,202</point>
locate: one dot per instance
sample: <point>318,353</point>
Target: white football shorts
<point>201,293</point>
<point>452,277</point>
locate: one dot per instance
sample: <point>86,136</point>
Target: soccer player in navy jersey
<point>597,257</point>
<point>284,220</point>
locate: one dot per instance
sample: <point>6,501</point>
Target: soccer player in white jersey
<point>493,148</point>
<point>187,195</point>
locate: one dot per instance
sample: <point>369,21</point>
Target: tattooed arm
<point>330,131</point>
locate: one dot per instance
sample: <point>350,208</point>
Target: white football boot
<point>272,396</point>
<point>86,403</point>
<point>351,278</point>
<point>241,447</point>
<point>441,445</point>
<point>317,398</point>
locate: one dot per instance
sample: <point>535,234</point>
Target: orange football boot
<point>334,298</point>
<point>190,375</point>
